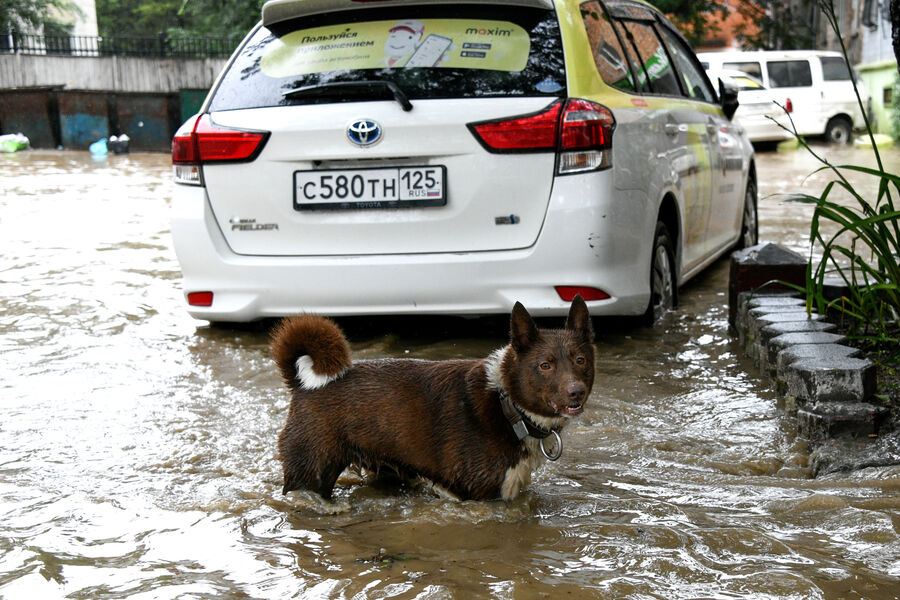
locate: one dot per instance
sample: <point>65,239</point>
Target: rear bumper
<point>759,128</point>
<point>589,238</point>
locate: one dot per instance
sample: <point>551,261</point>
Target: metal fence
<point>79,45</point>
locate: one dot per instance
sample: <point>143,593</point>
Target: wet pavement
<point>137,445</point>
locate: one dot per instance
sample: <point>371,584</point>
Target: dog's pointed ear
<point>579,319</point>
<point>522,330</point>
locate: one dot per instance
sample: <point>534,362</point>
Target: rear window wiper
<point>336,88</point>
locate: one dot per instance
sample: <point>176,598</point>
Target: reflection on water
<point>137,445</point>
<point>785,175</point>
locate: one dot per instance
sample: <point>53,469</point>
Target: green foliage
<point>869,264</point>
<point>134,18</point>
<point>776,25</point>
<point>690,16</point>
<point>32,15</point>
<point>220,18</point>
<point>177,18</point>
<point>766,25</point>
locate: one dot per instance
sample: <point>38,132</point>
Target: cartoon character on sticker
<point>403,39</point>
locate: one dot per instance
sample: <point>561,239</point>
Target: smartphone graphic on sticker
<point>429,51</point>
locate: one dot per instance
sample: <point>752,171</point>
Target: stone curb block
<point>750,315</point>
<point>817,380</point>
<point>778,344</point>
<point>759,321</point>
<point>829,419</point>
<point>758,311</point>
<point>748,301</point>
<point>775,329</point>
<point>812,365</point>
<point>765,266</point>
<point>791,349</point>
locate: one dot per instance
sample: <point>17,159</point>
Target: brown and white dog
<point>475,428</point>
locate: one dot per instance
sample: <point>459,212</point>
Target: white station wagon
<point>444,157</point>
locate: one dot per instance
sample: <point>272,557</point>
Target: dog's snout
<point>575,392</point>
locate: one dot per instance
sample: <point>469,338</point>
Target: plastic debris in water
<point>13,142</point>
<point>98,148</point>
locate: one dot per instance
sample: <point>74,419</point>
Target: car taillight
<point>788,106</point>
<point>586,137</point>
<point>526,133</point>
<point>586,125</point>
<point>579,130</point>
<point>200,141</point>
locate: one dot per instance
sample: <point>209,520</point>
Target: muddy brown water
<point>137,445</point>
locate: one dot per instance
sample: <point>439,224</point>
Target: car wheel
<point>750,221</point>
<point>839,131</point>
<point>663,290</point>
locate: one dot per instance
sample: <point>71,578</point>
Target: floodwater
<point>137,446</point>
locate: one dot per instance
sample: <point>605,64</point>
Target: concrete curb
<point>830,379</point>
<point>828,420</point>
<point>811,366</point>
<point>816,345</point>
<point>810,363</point>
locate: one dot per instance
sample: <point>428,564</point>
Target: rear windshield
<point>750,68</point>
<point>444,51</point>
<point>747,83</point>
<point>834,68</point>
<point>789,73</point>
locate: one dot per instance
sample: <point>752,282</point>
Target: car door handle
<point>674,129</point>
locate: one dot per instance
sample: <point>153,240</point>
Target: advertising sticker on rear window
<point>428,43</point>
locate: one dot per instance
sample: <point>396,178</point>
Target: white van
<point>820,85</point>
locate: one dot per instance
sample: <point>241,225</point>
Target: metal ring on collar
<point>559,447</point>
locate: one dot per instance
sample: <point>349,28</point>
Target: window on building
<point>870,13</point>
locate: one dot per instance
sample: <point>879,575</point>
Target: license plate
<point>394,187</point>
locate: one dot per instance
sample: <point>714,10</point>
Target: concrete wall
<point>72,119</point>
<point>72,101</point>
<point>83,18</point>
<point>880,79</point>
<point>108,73</point>
<point>876,39</point>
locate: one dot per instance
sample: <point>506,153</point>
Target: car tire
<point>663,289</point>
<point>750,220</point>
<point>839,130</point>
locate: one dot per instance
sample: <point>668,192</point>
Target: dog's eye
<point>545,366</point>
<point>579,360</point>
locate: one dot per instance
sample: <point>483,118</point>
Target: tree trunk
<point>895,28</point>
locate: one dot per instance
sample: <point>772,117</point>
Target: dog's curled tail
<point>311,351</point>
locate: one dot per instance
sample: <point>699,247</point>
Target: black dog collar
<point>524,427</point>
<point>521,424</point>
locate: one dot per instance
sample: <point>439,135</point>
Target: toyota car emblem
<point>364,132</point>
